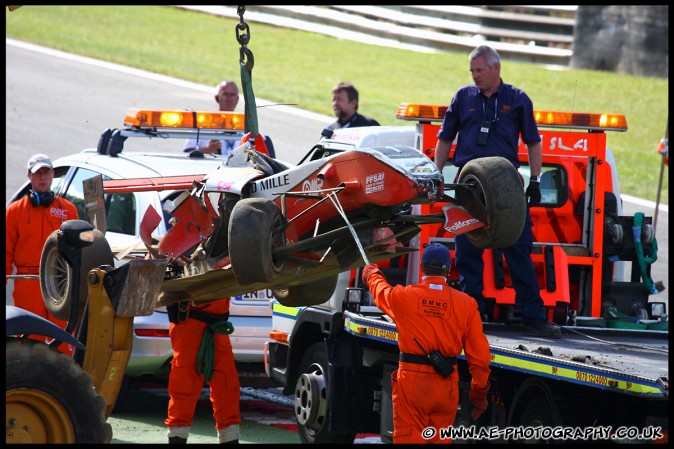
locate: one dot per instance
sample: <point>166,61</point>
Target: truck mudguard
<point>20,321</point>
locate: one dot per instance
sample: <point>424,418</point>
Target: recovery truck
<point>610,367</point>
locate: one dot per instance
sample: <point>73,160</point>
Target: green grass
<point>301,68</point>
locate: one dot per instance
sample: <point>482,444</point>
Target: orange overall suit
<point>439,318</point>
<point>28,228</point>
<point>185,382</point>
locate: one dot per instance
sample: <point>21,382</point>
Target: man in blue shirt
<point>489,117</point>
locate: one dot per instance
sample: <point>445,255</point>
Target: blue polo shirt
<point>509,110</point>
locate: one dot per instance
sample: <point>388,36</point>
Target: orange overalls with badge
<point>435,317</point>
<point>185,381</point>
<point>27,229</point>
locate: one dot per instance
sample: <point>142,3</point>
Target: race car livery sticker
<point>273,182</point>
<point>374,183</point>
<point>311,185</point>
<point>458,220</point>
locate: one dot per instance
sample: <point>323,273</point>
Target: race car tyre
<point>309,294</point>
<point>255,231</point>
<point>498,185</point>
<point>56,276</point>
<point>312,409</point>
<point>49,398</point>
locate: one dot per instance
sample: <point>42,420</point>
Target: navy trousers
<point>528,300</point>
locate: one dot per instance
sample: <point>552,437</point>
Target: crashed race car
<point>258,222</point>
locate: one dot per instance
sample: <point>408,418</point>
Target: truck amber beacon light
<point>549,119</point>
<point>154,118</point>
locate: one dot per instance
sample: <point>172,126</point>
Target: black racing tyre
<point>256,229</point>
<point>56,276</point>
<point>49,398</point>
<point>498,186</point>
<point>310,294</point>
<point>312,409</point>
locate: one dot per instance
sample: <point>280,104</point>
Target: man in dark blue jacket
<point>489,117</point>
<point>345,106</point>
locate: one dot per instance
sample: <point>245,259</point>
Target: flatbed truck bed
<point>633,362</point>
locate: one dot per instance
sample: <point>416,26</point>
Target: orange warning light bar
<point>548,119</point>
<point>421,112</point>
<point>154,118</point>
<point>599,122</point>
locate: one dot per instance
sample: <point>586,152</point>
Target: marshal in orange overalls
<point>28,228</point>
<point>185,383</point>
<point>439,318</point>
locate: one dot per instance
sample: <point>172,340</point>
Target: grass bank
<point>300,68</point>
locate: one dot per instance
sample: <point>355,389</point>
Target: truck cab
<point>582,243</point>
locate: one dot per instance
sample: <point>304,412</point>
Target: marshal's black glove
<point>533,193</point>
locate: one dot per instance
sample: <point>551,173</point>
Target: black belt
<point>421,359</point>
<point>208,318</point>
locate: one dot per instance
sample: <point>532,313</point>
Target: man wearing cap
<point>29,221</point>
<point>435,323</point>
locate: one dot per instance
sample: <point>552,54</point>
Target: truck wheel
<point>49,398</point>
<point>498,186</point>
<point>312,408</point>
<point>56,276</point>
<point>534,405</point>
<point>255,230</point>
<point>309,294</point>
<point>537,413</point>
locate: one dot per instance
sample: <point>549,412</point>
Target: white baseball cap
<point>37,161</point>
